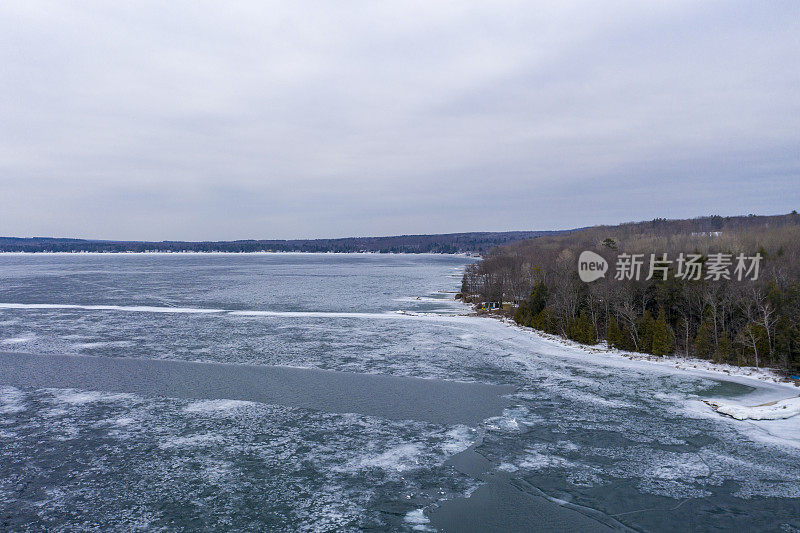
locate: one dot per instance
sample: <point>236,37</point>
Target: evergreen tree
<point>532,306</point>
<point>663,338</point>
<point>615,337</point>
<point>523,315</point>
<point>646,324</point>
<point>541,321</point>
<point>538,300</point>
<point>582,330</point>
<point>627,340</point>
<point>705,342</point>
<point>724,351</point>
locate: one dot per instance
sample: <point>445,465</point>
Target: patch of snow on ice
<point>127,308</point>
<point>507,467</point>
<point>11,401</point>
<point>504,424</point>
<point>78,397</point>
<point>109,344</point>
<point>778,410</point>
<point>458,439</point>
<point>538,457</point>
<point>418,520</point>
<point>193,441</point>
<point>214,406</point>
<point>17,340</point>
<point>399,458</point>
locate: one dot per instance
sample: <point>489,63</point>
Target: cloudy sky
<point>224,120</point>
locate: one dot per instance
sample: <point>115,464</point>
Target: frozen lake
<point>219,423</point>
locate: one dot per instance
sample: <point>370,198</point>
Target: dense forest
<point>713,315</point>
<point>450,243</point>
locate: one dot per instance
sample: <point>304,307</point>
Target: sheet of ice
<point>398,315</point>
<point>138,460</point>
<point>608,430</point>
<point>125,308</point>
<point>389,315</point>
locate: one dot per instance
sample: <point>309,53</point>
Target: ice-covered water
<point>629,441</point>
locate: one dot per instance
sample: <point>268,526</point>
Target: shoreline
<point>260,252</point>
<point>688,364</point>
<point>774,398</point>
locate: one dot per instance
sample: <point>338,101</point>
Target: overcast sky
<point>225,120</point>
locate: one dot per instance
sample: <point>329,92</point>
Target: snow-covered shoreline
<point>774,397</point>
<point>679,362</point>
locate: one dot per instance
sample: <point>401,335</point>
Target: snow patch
<point>17,340</point>
<point>399,458</point>
<point>507,467</point>
<point>213,406</point>
<point>108,344</point>
<point>128,308</point>
<point>458,439</point>
<point>77,397</point>
<point>193,441</point>
<point>11,401</point>
<point>537,458</point>
<point>418,520</point>
<point>777,410</point>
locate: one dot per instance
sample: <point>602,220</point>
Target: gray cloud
<point>201,120</point>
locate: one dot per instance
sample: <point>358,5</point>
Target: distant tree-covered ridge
<point>450,243</point>
<point>744,322</point>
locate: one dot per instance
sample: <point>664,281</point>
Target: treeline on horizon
<point>748,323</point>
<point>451,243</point>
